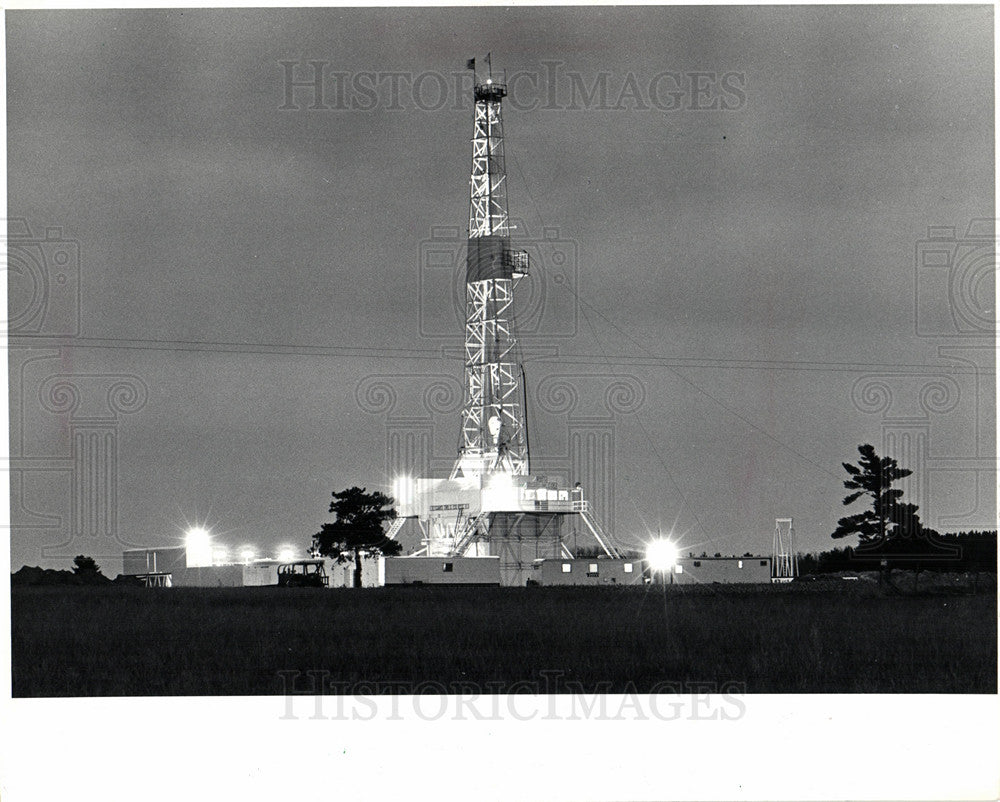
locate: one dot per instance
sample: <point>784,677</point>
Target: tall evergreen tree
<point>888,517</point>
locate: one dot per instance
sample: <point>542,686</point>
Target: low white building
<point>685,571</point>
<point>442,571</point>
<point>173,569</point>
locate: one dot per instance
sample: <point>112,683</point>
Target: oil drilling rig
<point>491,504</point>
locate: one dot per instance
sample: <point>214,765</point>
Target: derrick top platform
<point>490,91</point>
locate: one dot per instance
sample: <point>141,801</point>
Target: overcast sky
<point>742,253</point>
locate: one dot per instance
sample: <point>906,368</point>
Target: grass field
<point>847,637</point>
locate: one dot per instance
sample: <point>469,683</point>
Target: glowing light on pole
<point>198,547</point>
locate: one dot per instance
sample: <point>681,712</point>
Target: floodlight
<point>661,555</point>
<point>198,547</point>
<point>403,490</point>
<point>286,554</point>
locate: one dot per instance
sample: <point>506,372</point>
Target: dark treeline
<point>85,571</point>
<point>974,551</point>
<point>33,575</point>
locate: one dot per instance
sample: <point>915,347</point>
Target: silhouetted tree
<point>85,565</point>
<point>887,516</point>
<point>358,528</point>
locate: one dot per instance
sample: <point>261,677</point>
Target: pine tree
<point>887,517</point>
<point>358,528</point>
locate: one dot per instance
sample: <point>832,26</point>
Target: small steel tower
<point>493,429</point>
<point>784,561</point>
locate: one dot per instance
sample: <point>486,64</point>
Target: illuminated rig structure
<point>492,505</point>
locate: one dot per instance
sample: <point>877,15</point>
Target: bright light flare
<point>198,547</point>
<point>248,554</point>
<point>501,481</point>
<point>403,491</point>
<point>661,555</point>
<point>286,554</point>
<point>494,425</point>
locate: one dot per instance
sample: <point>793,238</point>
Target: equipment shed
<point>591,571</point>
<point>442,570</point>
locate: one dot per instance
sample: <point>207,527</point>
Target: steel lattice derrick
<point>488,210</point>
<point>493,390</point>
<point>492,434</point>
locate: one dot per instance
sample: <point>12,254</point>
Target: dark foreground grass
<point>113,641</point>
